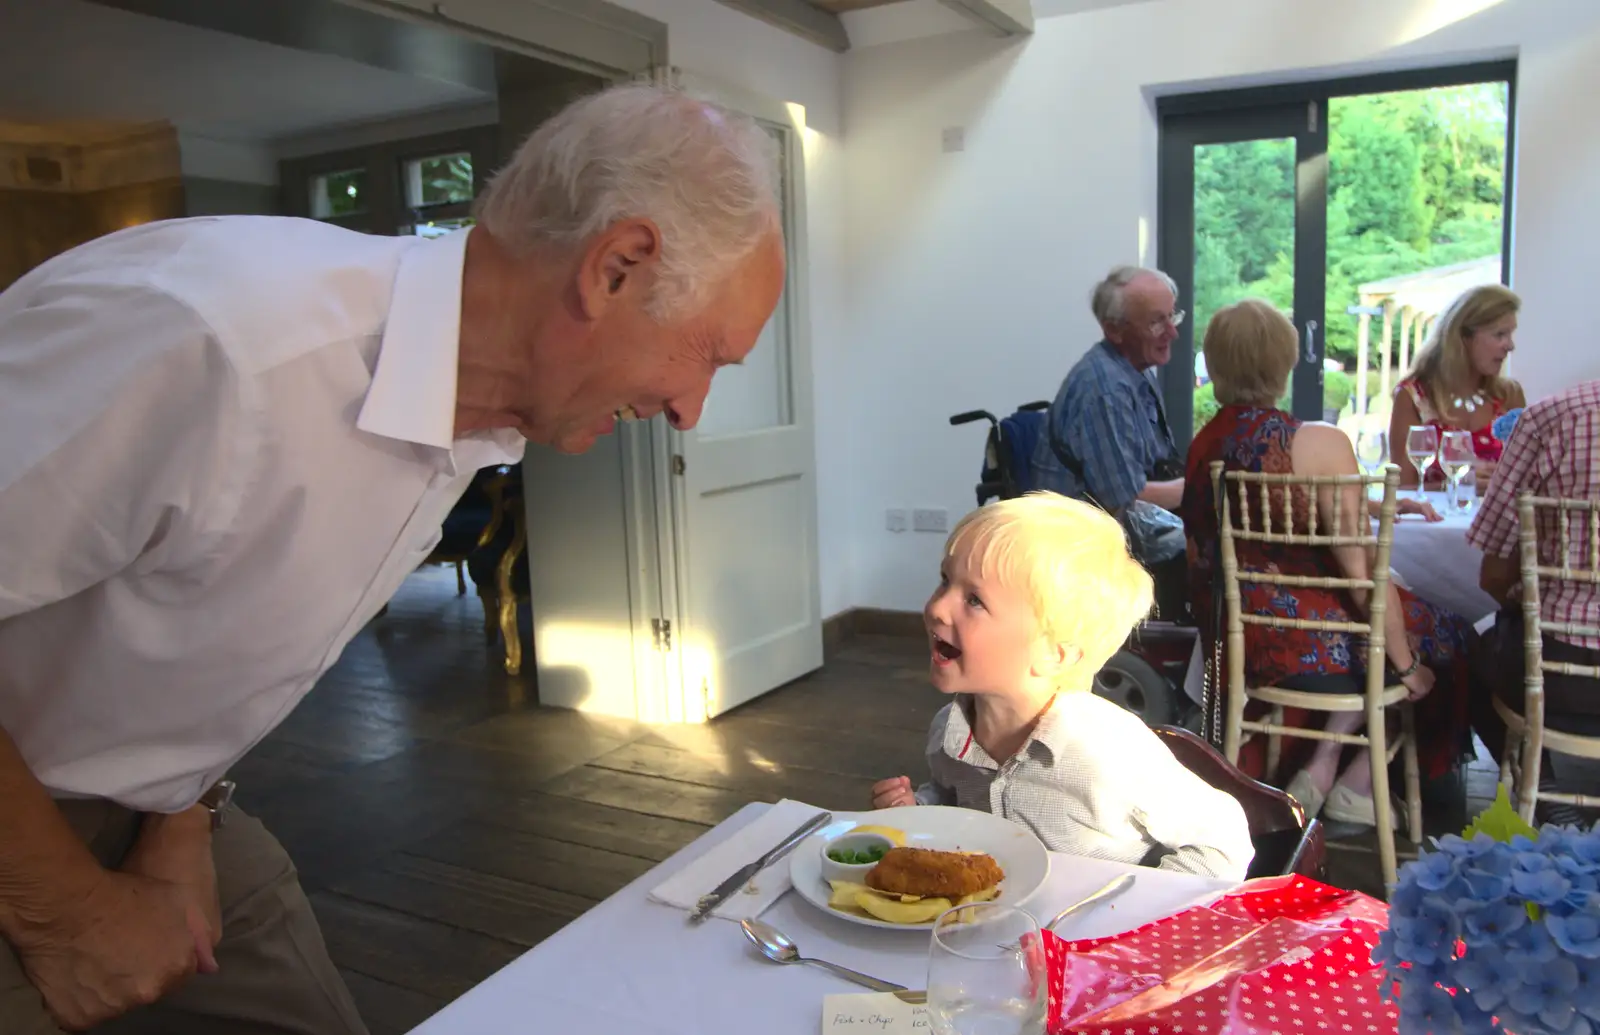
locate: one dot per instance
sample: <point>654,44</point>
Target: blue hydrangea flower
<point>1577,934</point>
<point>1586,998</point>
<point>1530,944</point>
<point>1428,937</point>
<point>1544,990</point>
<point>1535,878</point>
<point>1585,849</point>
<point>1436,871</point>
<point>1524,916</point>
<point>1502,426</point>
<point>1488,923</point>
<point>1488,877</point>
<point>1428,1010</point>
<point>1461,848</point>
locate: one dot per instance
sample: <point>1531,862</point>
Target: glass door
<point>1363,207</point>
<point>1242,214</point>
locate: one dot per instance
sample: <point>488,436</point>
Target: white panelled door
<point>743,490</point>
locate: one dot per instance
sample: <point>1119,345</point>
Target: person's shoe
<point>1346,806</point>
<point>1301,789</point>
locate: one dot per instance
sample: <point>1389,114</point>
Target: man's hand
<point>177,849</point>
<point>138,934</point>
<point>893,792</point>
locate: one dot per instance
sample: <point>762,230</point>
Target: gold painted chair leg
<point>1408,720</point>
<point>508,629</point>
<point>508,600</point>
<point>1378,753</point>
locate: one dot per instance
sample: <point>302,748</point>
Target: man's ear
<point>620,262</point>
<point>1113,332</point>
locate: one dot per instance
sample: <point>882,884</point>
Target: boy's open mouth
<point>945,651</point>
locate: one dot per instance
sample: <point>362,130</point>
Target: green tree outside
<point>1416,181</point>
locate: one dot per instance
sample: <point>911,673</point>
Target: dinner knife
<point>742,876</point>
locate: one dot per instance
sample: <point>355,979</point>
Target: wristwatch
<point>217,800</point>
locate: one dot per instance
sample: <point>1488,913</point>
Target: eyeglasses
<point>1160,322</point>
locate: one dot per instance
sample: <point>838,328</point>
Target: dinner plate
<point>1021,855</point>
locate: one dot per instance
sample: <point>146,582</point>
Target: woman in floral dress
<point>1250,350</point>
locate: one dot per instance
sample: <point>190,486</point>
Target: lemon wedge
<point>897,836</point>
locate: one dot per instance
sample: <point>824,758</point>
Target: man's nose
<point>684,411</point>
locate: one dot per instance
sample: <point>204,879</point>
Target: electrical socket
<point>930,519</point>
<point>895,519</point>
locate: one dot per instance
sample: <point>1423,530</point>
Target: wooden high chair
<point>1278,492</point>
<point>1527,737</point>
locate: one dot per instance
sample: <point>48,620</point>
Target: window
<point>1361,207</point>
<point>339,194</point>
<point>423,186</point>
<point>439,180</point>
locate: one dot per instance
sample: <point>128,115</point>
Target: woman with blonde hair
<point>1455,383</point>
<point>1250,350</point>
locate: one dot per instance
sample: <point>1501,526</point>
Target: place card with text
<point>878,1013</point>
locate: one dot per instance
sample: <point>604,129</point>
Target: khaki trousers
<point>274,976</point>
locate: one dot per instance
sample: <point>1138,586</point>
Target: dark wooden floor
<point>443,823</point>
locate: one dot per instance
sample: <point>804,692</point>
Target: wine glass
<point>1456,457</point>
<point>986,972</point>
<point>1422,447</point>
<point>1372,449</point>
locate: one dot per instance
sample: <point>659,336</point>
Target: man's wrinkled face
<point>639,367</point>
<point>1149,323</point>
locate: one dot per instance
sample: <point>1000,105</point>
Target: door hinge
<point>678,466</point>
<point>1311,117</point>
<point>662,628</point>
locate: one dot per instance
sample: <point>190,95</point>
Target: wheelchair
<point>1146,677</point>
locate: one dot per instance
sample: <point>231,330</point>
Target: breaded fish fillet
<point>924,872</point>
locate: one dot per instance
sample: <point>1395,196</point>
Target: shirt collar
<point>413,392</point>
<point>1044,743</point>
<point>1121,363</point>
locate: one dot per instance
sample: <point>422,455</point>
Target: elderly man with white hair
<point>223,444</point>
<point>1106,437</point>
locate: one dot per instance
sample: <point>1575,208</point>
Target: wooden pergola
<point>1414,301</point>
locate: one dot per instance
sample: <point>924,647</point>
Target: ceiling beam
<point>999,17</point>
<point>799,17</point>
<point>336,29</point>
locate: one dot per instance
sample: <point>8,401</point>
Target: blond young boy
<point>1035,594</point>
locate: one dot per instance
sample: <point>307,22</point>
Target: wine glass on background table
<point>1372,449</point>
<point>1456,458</point>
<point>987,973</point>
<point>1422,449</point>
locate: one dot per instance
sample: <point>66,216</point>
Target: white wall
<point>720,43</point>
<point>967,274</point>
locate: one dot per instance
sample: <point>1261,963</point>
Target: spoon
<point>776,946</point>
<point>1110,891</point>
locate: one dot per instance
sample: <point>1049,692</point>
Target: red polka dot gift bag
<point>1279,955</point>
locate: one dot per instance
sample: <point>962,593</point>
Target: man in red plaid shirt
<point>1554,451</point>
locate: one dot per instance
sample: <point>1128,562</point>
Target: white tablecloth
<point>1436,563</point>
<point>630,966</point>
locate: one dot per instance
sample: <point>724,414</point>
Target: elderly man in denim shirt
<point>1107,438</point>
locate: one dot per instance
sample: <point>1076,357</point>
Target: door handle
<point>1311,341</point>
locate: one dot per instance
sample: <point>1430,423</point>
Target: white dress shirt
<point>1092,780</point>
<point>224,442</point>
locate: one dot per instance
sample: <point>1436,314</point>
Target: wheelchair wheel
<point>1132,683</point>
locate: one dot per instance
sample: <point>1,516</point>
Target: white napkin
<point>685,888</point>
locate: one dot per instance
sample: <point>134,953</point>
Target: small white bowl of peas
<point>851,855</point>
